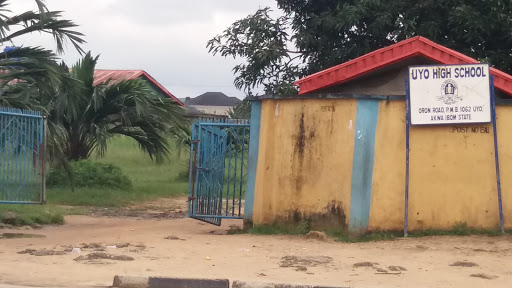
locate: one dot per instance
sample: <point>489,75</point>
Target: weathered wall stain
<point>308,154</point>
<point>303,147</point>
<point>301,138</point>
<point>331,217</point>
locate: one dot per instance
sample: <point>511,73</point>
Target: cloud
<point>165,38</point>
<point>163,12</point>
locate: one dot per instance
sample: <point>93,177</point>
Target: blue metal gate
<point>22,156</point>
<point>218,169</point>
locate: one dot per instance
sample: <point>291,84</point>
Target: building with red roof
<point>334,156</point>
<point>102,76</point>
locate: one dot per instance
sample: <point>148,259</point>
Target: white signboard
<point>449,94</point>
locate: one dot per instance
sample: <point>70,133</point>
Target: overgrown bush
<point>183,176</point>
<point>87,173</point>
<point>20,215</point>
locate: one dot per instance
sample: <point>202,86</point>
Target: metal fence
<point>218,169</point>
<point>22,156</point>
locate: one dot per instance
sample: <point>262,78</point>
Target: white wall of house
<point>216,110</point>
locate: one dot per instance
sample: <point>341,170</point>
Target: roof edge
<point>373,53</point>
<point>394,53</point>
<point>166,92</point>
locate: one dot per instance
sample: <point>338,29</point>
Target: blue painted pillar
<point>362,165</point>
<point>252,163</point>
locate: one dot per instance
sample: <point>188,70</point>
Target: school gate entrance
<point>218,169</point>
<point>22,157</point>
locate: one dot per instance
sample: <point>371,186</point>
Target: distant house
<point>212,103</point>
<point>102,76</point>
<point>193,113</point>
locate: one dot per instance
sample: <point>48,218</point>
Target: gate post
<point>42,162</point>
<point>252,163</point>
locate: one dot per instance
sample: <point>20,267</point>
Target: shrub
<point>87,173</point>
<point>183,176</point>
<point>20,215</point>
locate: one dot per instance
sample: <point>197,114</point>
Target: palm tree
<point>129,107</point>
<point>43,20</point>
<point>28,75</point>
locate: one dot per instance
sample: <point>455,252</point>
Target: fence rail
<point>22,156</point>
<point>218,169</point>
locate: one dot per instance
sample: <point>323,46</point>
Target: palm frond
<point>130,108</point>
<point>33,64</point>
<point>42,20</point>
<point>29,77</point>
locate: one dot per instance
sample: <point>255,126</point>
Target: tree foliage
<point>324,33</point>
<point>263,43</point>
<point>31,76</point>
<point>42,21</point>
<point>241,111</point>
<point>95,114</point>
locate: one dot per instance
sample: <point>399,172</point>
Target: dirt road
<point>188,248</point>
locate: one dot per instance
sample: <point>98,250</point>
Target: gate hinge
<point>191,199</point>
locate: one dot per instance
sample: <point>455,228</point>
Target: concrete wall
<point>305,161</point>
<point>504,119</point>
<point>322,159</point>
<point>452,173</point>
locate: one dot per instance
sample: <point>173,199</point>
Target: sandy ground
<point>195,249</point>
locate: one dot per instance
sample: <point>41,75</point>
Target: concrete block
<point>130,282</point>
<point>157,282</point>
<point>244,284</point>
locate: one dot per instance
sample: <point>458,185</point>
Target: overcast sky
<point>167,38</point>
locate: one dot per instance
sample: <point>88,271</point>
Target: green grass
<point>298,230</point>
<point>342,235</point>
<point>35,214</point>
<point>150,180</point>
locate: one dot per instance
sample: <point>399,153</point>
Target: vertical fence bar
<point>20,133</point>
<point>241,173</point>
<point>496,156</point>
<point>14,159</point>
<point>407,124</point>
<point>198,163</point>
<point>222,171</point>
<point>2,153</point>
<point>191,169</point>
<point>213,177</point>
<point>31,144</point>
<point>11,180</point>
<point>24,163</point>
<point>228,190</point>
<point>234,180</point>
<point>6,158</point>
<point>43,160</point>
<point>28,153</point>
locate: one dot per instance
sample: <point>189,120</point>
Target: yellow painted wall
<point>452,177</point>
<point>304,169</point>
<point>387,203</point>
<point>452,173</point>
<point>504,122</point>
<point>305,160</point>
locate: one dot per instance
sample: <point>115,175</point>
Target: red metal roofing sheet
<point>102,76</point>
<point>417,46</point>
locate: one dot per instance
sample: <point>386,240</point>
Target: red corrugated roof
<point>417,46</point>
<point>102,76</point>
